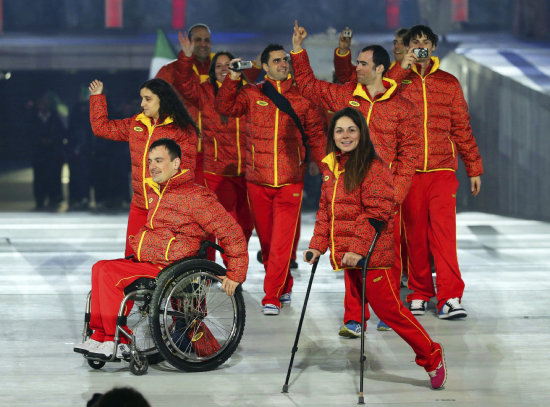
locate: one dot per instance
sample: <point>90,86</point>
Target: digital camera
<point>421,52</point>
<point>347,33</point>
<point>241,65</point>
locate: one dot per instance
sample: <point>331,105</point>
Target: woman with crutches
<point>357,185</point>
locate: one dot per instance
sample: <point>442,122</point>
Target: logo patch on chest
<point>406,82</point>
<point>150,200</point>
<point>137,128</point>
<point>377,279</point>
<point>327,177</point>
<point>262,103</point>
<point>354,103</point>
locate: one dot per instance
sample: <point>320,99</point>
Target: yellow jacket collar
<point>287,83</point>
<point>435,66</point>
<point>389,84</point>
<point>147,120</point>
<point>156,187</point>
<point>332,163</point>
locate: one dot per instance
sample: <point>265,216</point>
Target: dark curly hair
<point>170,103</point>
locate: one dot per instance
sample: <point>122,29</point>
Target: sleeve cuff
<point>337,52</point>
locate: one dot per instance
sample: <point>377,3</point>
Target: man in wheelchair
<point>181,215</point>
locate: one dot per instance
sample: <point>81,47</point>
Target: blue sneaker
<point>351,329</point>
<point>382,326</point>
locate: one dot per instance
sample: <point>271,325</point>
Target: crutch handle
<point>309,255</point>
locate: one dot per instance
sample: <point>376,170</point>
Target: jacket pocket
<point>452,147</point>
<point>168,248</point>
<point>215,149</point>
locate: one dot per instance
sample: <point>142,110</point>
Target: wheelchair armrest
<point>205,245</point>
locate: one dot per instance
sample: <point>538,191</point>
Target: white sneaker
<point>452,309</point>
<point>86,346</point>
<point>270,309</point>
<point>123,351</point>
<point>103,351</point>
<point>418,307</point>
<point>285,299</point>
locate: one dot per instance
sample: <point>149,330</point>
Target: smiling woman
<point>163,116</point>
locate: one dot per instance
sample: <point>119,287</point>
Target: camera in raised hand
<point>421,52</point>
<point>241,65</point>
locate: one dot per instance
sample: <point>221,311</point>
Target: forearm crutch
<point>309,255</point>
<point>378,225</point>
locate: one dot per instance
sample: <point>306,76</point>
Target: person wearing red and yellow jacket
<point>223,138</point>
<point>163,115</point>
<point>345,71</point>
<point>430,207</point>
<point>357,186</point>
<point>181,215</point>
<point>200,36</point>
<point>275,163</point>
<point>392,122</point>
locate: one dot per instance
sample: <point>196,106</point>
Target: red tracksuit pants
<point>109,279</point>
<point>136,219</point>
<point>276,212</point>
<point>352,298</point>
<point>385,302</point>
<point>231,192</point>
<point>429,214</point>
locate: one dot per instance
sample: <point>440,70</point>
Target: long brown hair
<point>360,159</point>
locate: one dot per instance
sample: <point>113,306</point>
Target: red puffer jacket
<point>182,214</point>
<point>446,127</point>
<point>342,219</point>
<point>223,142</point>
<point>139,132</point>
<point>275,151</point>
<point>393,121</point>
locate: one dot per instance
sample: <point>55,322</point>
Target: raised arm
<point>117,130</point>
<point>231,100</point>
<point>187,82</point>
<point>344,70</point>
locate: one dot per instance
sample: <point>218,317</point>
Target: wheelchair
<point>183,316</point>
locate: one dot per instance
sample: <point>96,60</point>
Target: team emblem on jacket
<point>262,103</point>
<point>137,128</point>
<point>354,103</point>
<point>327,177</point>
<point>406,82</point>
<point>150,200</point>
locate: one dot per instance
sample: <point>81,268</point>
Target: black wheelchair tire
<point>169,277</point>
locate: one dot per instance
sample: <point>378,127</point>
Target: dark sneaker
<point>452,310</point>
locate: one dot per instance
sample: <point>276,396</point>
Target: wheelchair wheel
<point>195,325</point>
<point>138,321</point>
<point>96,364</point>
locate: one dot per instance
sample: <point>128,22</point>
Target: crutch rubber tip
<point>361,400</point>
<point>285,388</point>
